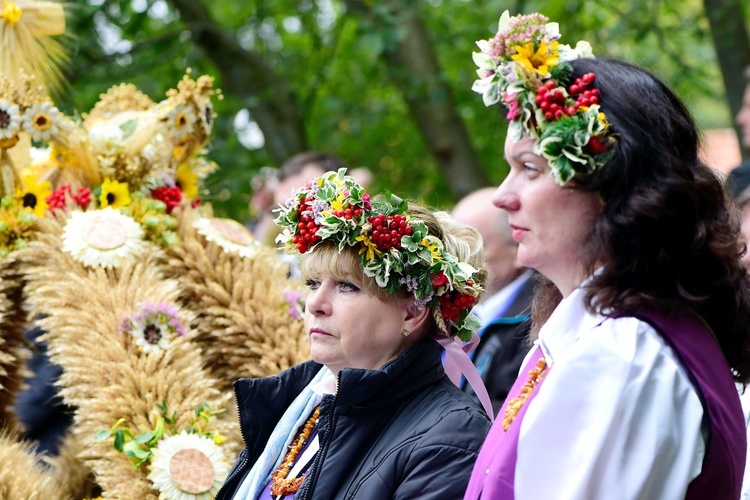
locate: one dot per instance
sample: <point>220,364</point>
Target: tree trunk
<point>269,98</point>
<point>414,68</point>
<point>732,43</point>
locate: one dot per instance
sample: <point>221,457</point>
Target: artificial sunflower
<point>187,181</point>
<point>10,122</point>
<point>104,238</point>
<point>114,194</point>
<point>230,235</point>
<point>40,121</point>
<point>33,194</point>
<point>187,467</point>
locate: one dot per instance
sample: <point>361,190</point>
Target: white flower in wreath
<point>10,119</point>
<point>40,121</point>
<point>104,238</point>
<point>187,467</point>
<point>180,121</point>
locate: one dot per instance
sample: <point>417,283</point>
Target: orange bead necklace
<point>280,485</point>
<point>515,404</point>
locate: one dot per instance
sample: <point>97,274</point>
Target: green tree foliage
<point>340,76</point>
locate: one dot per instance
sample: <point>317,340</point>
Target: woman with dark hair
<point>374,414</point>
<point>644,320</point>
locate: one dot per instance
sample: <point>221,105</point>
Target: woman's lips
<point>319,332</point>
<point>518,231</point>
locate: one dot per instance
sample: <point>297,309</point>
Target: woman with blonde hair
<point>374,414</point>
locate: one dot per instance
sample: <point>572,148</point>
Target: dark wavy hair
<point>668,233</point>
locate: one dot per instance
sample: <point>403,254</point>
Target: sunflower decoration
<point>17,226</point>
<point>32,196</point>
<point>102,238</point>
<point>114,194</point>
<point>187,181</point>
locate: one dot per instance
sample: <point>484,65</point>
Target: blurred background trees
<point>384,84</point>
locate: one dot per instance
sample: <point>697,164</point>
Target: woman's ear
<point>416,315</point>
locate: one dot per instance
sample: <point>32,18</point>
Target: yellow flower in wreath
<point>114,194</point>
<point>33,194</point>
<point>187,181</point>
<point>539,61</point>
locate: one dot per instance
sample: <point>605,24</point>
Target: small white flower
<point>10,119</point>
<point>187,467</point>
<point>104,238</point>
<point>40,121</point>
<point>180,121</point>
<point>552,30</point>
<point>230,235</point>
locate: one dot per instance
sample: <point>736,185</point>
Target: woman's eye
<point>347,287</point>
<point>530,166</point>
<point>312,284</point>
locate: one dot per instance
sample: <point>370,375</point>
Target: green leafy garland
<point>396,250</point>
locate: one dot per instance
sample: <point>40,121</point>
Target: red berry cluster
<point>454,303</point>
<point>58,200</point>
<point>387,231</point>
<point>552,102</point>
<point>171,196</point>
<point>586,96</point>
<point>348,213</point>
<point>305,237</point>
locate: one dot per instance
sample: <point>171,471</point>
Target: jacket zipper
<point>245,460</point>
<point>310,481</point>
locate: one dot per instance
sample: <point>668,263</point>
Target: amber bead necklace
<point>514,405</point>
<point>280,485</point>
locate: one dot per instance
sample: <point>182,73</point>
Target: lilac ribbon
<point>457,363</point>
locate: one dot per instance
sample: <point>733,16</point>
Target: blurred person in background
<point>505,308</point>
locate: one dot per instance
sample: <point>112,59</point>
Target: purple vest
<point>696,347</point>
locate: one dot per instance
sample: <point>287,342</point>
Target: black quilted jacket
<point>404,431</point>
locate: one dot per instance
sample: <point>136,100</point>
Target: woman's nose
<point>318,302</point>
<point>505,196</point>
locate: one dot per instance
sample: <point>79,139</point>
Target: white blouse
<point>615,418</point>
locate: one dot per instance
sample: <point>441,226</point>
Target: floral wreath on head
<point>395,249</point>
<point>526,68</point>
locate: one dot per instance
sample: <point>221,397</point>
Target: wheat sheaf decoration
<point>22,474</point>
<point>246,324</point>
<point>13,349</point>
<point>130,364</point>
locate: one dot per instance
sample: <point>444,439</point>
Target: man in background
<point>294,173</point>
<point>505,307</point>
